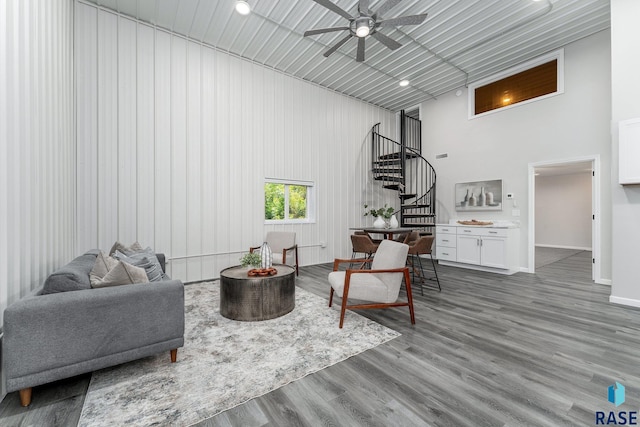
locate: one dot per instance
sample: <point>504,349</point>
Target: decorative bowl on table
<point>262,272</point>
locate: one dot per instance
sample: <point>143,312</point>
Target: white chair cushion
<point>279,240</point>
<point>277,257</point>
<point>363,286</point>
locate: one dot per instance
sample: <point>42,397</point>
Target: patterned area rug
<point>225,363</point>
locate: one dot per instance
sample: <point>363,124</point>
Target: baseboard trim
<point>578,248</point>
<point>603,282</point>
<point>624,301</point>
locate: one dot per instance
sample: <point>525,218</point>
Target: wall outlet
<point>509,195</point>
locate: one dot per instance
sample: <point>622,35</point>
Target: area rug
<point>225,363</point>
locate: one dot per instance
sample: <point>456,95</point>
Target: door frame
<point>595,210</point>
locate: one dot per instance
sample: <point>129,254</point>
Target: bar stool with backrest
<point>422,246</point>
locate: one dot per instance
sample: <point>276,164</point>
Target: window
<point>288,201</point>
<point>537,79</point>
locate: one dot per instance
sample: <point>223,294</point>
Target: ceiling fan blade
<point>403,20</point>
<point>336,46</point>
<point>360,52</point>
<point>363,6</point>
<point>333,7</point>
<point>388,42</point>
<point>385,8</point>
<point>323,30</point>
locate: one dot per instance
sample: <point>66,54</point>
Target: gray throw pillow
<point>121,274</point>
<point>127,250</point>
<point>103,264</point>
<point>145,259</point>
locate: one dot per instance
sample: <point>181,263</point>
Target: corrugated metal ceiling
<point>459,42</point>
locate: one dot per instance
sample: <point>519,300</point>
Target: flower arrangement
<point>384,212</point>
<point>251,259</point>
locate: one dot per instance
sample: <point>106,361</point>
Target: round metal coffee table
<point>256,298</point>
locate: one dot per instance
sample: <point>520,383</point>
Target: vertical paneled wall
<point>37,144</point>
<point>175,140</point>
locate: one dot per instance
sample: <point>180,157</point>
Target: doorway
<point>563,202</point>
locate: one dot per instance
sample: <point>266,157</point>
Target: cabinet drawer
<point>496,232</point>
<point>445,229</point>
<point>446,254</point>
<point>446,240</point>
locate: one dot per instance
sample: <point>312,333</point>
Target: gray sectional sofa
<point>51,336</point>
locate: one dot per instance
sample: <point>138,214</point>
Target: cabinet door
<point>469,249</point>
<point>493,252</point>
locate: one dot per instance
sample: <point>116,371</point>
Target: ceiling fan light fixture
<point>404,83</point>
<point>242,7</point>
<point>363,26</point>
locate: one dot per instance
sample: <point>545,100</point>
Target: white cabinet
<point>446,243</point>
<point>485,248</point>
<point>468,249</point>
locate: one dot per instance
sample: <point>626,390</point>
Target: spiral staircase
<point>400,167</point>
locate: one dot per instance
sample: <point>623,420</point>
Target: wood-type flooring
<point>489,350</point>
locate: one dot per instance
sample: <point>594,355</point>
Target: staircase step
<point>389,178</point>
<point>418,215</point>
<point>414,206</point>
<point>392,187</point>
<point>404,196</point>
<point>387,170</point>
<point>417,224</point>
<point>387,162</point>
<point>398,155</point>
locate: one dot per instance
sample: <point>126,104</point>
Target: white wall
<point>563,211</point>
<point>625,63</point>
<point>175,139</point>
<point>501,145</point>
<point>37,161</point>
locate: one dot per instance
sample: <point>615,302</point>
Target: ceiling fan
<point>365,23</point>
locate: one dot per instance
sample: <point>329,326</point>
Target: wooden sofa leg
<point>174,355</point>
<point>25,396</point>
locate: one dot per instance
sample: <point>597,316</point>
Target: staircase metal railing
<point>402,168</point>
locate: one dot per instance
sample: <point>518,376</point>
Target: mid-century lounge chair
<point>283,247</point>
<point>380,285</point>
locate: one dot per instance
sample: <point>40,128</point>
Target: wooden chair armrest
<point>387,270</point>
<point>253,248</point>
<point>291,248</point>
<point>338,261</point>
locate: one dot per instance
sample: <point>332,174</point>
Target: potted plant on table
<point>382,215</point>
<point>251,260</point>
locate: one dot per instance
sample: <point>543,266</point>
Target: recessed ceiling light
<point>243,8</point>
<point>404,83</point>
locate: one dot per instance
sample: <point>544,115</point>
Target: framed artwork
<point>479,196</point>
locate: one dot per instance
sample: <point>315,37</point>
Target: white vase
<point>379,222</point>
<point>393,222</point>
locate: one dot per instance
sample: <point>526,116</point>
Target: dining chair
<point>362,244</point>
<point>380,285</point>
<point>422,246</point>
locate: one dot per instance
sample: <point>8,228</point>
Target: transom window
<point>534,80</point>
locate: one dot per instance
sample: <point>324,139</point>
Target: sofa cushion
<point>127,250</point>
<point>71,277</point>
<point>122,274</point>
<point>146,259</point>
<point>103,264</point>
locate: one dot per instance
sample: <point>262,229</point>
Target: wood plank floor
<point>489,350</point>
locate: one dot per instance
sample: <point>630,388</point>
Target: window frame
<point>311,209</point>
<point>555,55</point>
